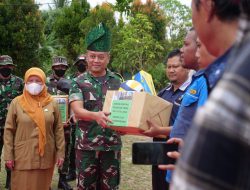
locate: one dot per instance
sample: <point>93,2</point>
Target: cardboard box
<point>130,111</point>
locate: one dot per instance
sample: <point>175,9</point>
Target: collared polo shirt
<point>174,97</point>
<point>212,75</point>
<point>214,71</point>
<point>194,97</point>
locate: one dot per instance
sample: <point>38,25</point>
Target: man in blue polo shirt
<point>195,95</point>
<point>178,77</point>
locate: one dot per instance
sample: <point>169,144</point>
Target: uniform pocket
<point>20,151</point>
<point>24,150</point>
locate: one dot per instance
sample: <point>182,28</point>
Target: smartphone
<point>152,153</point>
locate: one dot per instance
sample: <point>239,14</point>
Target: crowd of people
<point>210,119</point>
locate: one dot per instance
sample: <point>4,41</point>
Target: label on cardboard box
<point>119,112</point>
<point>120,108</point>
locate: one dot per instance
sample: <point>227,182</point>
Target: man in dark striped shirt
<point>217,155</point>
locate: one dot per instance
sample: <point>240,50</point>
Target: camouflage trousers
<point>1,144</point>
<point>98,170</point>
<point>72,154</point>
<point>65,168</point>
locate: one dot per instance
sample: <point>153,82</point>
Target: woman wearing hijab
<point>33,135</point>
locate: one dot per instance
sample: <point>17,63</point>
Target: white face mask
<point>34,88</point>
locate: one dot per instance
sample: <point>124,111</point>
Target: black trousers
<point>159,176</point>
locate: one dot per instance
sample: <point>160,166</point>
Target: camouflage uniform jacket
<point>52,86</point>
<point>76,74</point>
<point>89,135</point>
<point>9,89</point>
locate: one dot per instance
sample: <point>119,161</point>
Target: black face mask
<point>59,72</point>
<point>81,68</point>
<point>5,72</point>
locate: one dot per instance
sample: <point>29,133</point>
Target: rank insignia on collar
<point>192,91</point>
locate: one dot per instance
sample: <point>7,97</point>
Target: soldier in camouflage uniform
<point>98,149</point>
<point>59,67</point>
<point>10,87</point>
<point>81,65</point>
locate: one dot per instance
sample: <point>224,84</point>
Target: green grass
<point>133,177</point>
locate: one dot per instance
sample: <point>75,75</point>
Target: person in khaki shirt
<point>33,136</point>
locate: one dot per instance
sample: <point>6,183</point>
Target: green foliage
<point>50,45</point>
<point>60,3</point>
<point>138,50</point>
<point>48,17</point>
<point>159,75</point>
<point>155,15</point>
<point>123,6</point>
<point>178,21</point>
<point>20,32</point>
<point>150,30</point>
<point>66,27</point>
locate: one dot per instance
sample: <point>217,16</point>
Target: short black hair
<point>245,7</point>
<point>225,10</point>
<point>173,53</point>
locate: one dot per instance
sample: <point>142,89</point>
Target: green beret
<point>6,60</point>
<point>99,39</point>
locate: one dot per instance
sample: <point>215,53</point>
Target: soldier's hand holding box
<point>130,111</point>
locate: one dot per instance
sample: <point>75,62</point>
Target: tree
<point>123,6</point>
<point>60,3</point>
<point>66,27</point>
<point>178,21</point>
<point>155,15</point>
<point>138,50</point>
<point>50,45</point>
<point>20,32</point>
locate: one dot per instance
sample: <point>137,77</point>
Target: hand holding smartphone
<point>152,153</point>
